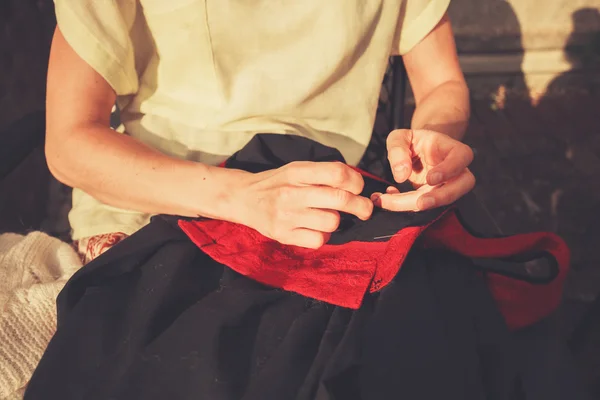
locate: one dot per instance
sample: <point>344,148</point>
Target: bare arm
<point>296,204</point>
<point>83,152</point>
<point>430,155</point>
<point>438,83</point>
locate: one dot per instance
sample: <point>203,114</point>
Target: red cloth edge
<point>522,303</point>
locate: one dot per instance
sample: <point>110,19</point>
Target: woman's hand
<point>435,164</point>
<point>300,203</point>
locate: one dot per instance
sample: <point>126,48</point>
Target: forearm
<point>446,109</point>
<point>123,172</point>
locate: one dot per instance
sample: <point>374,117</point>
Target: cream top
<point>196,79</point>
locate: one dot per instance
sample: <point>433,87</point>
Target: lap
<point>176,322</point>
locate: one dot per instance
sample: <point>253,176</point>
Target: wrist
<point>456,130</point>
<point>217,194</point>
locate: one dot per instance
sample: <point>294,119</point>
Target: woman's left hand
<point>435,164</point>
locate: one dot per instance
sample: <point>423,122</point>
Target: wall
<point>538,38</point>
<point>532,24</point>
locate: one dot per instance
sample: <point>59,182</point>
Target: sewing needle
<point>384,237</point>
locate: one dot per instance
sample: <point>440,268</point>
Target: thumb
<point>399,144</point>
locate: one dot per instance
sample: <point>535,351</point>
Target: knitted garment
<point>33,270</point>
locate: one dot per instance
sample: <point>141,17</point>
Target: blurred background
<point>533,67</point>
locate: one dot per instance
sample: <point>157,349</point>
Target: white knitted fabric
<point>33,270</point>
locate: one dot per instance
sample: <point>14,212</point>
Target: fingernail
<point>376,199</point>
<point>427,202</point>
<point>435,178</point>
<point>400,169</point>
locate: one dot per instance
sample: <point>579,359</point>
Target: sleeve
<point>417,18</point>
<point>98,31</point>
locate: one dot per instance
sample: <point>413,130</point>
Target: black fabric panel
<point>156,318</point>
<point>537,268</point>
<point>267,151</point>
<point>381,225</point>
<point>467,351</point>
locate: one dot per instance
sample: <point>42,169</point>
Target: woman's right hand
<point>300,203</point>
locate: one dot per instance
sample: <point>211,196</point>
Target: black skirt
<point>158,318</point>
<point>155,318</point>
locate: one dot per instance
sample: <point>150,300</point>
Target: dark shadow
<point>528,179</point>
<point>582,51</point>
<point>25,31</point>
<point>492,206</point>
<point>570,108</point>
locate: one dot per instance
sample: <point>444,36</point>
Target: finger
<point>332,174</point>
<point>407,201</point>
<point>306,238</point>
<point>319,220</point>
<point>449,192</point>
<point>323,197</point>
<point>458,156</point>
<point>399,153</point>
<point>390,190</point>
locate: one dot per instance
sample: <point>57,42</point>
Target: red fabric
<point>337,274</point>
<point>522,303</point>
<point>370,175</point>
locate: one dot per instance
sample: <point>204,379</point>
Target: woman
<point>194,309</point>
<point>195,80</point>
